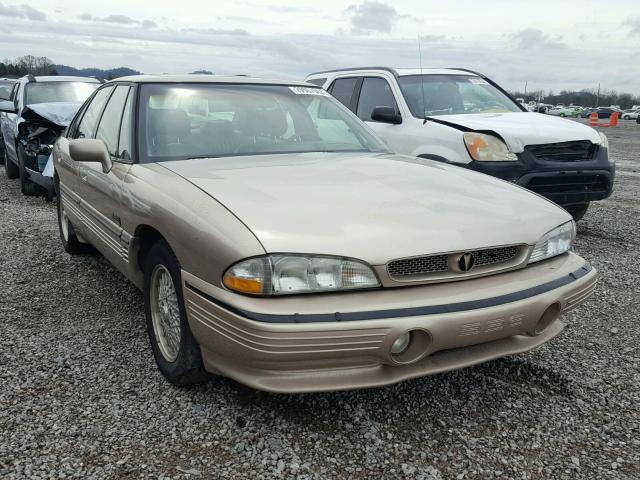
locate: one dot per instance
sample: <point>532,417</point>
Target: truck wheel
<point>577,211</point>
<point>27,187</point>
<point>10,168</point>
<point>176,352</point>
<point>70,241</point>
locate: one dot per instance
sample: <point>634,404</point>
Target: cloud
<point>118,19</point>
<point>21,11</point>
<point>534,38</point>
<point>372,17</point>
<point>217,31</point>
<point>634,24</point>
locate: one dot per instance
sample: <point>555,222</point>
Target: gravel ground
<point>80,396</point>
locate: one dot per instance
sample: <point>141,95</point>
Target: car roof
<point>401,72</point>
<point>58,78</point>
<point>239,79</point>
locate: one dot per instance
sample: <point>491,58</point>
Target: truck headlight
<point>283,274</point>
<point>555,242</point>
<point>487,148</point>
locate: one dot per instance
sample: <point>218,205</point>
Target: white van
<point>462,117</point>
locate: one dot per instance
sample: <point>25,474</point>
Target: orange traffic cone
<point>593,119</point>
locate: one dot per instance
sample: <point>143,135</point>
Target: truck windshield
<point>50,92</point>
<point>183,121</point>
<point>432,95</point>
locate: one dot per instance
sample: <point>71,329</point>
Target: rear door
<point>101,193</point>
<point>10,123</point>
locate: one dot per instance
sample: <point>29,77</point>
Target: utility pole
<point>598,96</point>
<point>525,90</point>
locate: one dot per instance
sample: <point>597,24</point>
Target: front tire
<point>27,187</point>
<point>626,117</point>
<point>176,352</point>
<point>577,211</point>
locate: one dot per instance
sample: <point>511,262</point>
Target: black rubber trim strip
<point>401,312</point>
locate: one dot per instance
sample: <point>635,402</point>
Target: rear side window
<point>375,92</point>
<point>87,126</point>
<point>109,127</point>
<point>342,89</point>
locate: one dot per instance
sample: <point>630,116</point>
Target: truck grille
<point>487,260</point>
<point>569,183</point>
<point>564,152</point>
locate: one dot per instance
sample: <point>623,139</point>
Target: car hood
<point>371,207</point>
<point>525,128</point>
<point>58,113</point>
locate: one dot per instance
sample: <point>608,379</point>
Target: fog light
<point>401,344</point>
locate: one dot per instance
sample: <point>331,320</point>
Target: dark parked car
<point>606,112</point>
<point>37,112</point>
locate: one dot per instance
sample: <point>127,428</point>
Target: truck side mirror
<point>90,150</point>
<point>386,115</point>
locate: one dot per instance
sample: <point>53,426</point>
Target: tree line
<point>584,98</point>
<point>27,64</point>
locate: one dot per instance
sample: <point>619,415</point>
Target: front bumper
<point>565,183</point>
<point>292,346</point>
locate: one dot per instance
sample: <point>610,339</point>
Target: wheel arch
<point>144,237</point>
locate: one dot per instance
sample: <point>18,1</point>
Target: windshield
<point>429,95</point>
<point>181,121</point>
<point>49,92</point>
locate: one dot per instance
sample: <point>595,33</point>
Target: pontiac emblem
<point>466,262</point>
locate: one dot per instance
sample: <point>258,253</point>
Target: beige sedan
<point>278,242</point>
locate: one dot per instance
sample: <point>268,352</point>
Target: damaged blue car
<point>39,110</point>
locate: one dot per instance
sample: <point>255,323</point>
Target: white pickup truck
<point>464,118</point>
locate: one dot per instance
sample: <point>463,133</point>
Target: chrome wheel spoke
<point>165,313</point>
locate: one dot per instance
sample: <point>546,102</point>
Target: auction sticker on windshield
<point>309,91</point>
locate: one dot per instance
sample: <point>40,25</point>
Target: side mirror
<point>8,106</point>
<point>90,150</point>
<point>386,115</point>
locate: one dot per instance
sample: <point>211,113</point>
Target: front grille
<point>492,256</point>
<point>569,183</point>
<point>564,151</point>
<point>418,265</point>
<point>444,265</point>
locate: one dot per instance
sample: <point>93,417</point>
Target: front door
<point>99,192</point>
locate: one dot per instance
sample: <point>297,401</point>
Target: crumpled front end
<point>38,129</point>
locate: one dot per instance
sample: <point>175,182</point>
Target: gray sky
<point>552,44</point>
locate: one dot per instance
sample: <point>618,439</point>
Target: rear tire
<point>176,352</point>
<point>70,241</point>
<point>27,187</point>
<point>577,211</point>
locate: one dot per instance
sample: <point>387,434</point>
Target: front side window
<point>5,90</point>
<point>182,121</point>
<point>50,92</point>
<point>109,127</point>
<point>87,126</point>
<point>375,92</point>
<point>431,95</point>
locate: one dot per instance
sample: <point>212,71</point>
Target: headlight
<point>487,148</point>
<point>555,242</point>
<point>286,274</point>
